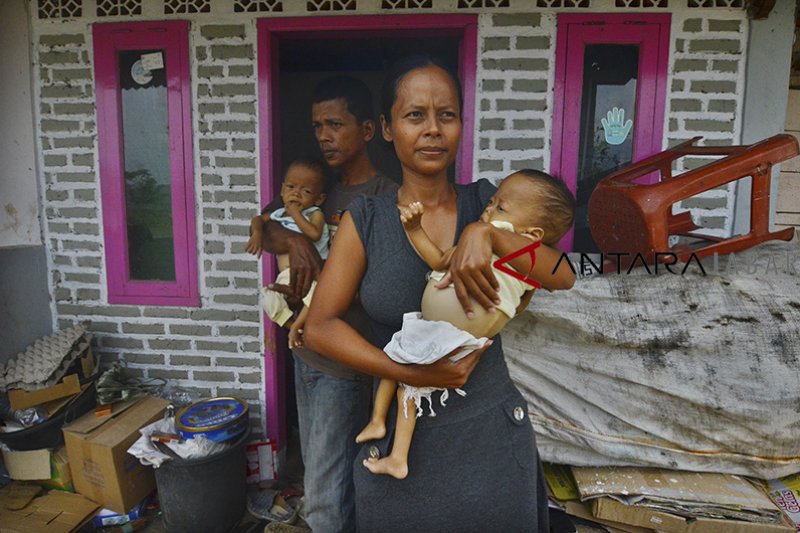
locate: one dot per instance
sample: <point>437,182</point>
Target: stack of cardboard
<point>37,379</point>
<point>785,492</point>
<point>94,461</point>
<point>23,510</point>
<point>102,470</point>
<point>639,500</point>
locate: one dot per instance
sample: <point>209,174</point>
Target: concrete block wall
<point>217,347</point>
<point>788,211</point>
<point>515,100</point>
<point>705,99</point>
<point>705,94</point>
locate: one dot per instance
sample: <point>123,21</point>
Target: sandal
<point>270,505</point>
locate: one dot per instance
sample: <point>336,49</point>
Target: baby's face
<point>515,201</point>
<point>302,186</point>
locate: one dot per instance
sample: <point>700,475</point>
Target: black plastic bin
<point>48,434</point>
<point>207,495</point>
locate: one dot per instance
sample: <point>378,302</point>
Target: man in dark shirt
<point>332,400</point>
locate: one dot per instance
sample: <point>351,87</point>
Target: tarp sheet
<point>685,371</point>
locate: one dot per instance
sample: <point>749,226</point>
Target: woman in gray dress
<point>473,467</point>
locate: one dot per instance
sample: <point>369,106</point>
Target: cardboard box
<point>614,511</point>
<point>99,462</point>
<point>69,386</point>
<point>27,465</point>
<point>662,499</point>
<point>107,517</point>
<point>47,397</point>
<point>60,476</point>
<point>50,468</point>
<point>560,483</point>
<point>584,511</point>
<point>261,461</point>
<point>785,492</point>
<point>57,512</point>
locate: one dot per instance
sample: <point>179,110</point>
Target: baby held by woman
<point>528,202</point>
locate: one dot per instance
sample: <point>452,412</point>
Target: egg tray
<point>45,362</point>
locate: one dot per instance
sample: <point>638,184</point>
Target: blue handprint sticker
<point>615,127</point>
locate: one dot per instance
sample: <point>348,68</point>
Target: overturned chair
<point>632,218</point>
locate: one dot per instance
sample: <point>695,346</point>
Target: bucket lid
<point>211,414</point>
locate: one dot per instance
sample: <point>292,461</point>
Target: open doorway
<point>294,55</point>
<point>306,62</point>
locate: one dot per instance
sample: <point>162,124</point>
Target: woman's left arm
<point>327,333</point>
<point>471,265</point>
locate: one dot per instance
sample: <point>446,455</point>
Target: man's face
<point>341,137</point>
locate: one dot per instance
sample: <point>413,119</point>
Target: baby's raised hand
<point>411,216</point>
<point>293,208</point>
<point>254,245</point>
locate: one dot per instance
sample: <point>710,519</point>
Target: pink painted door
<point>279,45</point>
<point>610,88</point>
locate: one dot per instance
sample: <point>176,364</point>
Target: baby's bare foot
<point>392,466</point>
<point>375,430</point>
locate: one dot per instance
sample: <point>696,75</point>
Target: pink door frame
<point>651,89</point>
<point>270,31</point>
<point>173,37</point>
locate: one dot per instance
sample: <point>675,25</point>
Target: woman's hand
<point>471,269</point>
<point>444,373</point>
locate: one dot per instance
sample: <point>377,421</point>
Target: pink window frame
<point>270,32</point>
<point>173,37</point>
<point>651,91</point>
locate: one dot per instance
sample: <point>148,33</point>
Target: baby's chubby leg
<point>396,463</point>
<point>376,429</point>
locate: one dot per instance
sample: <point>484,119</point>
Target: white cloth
<point>424,342</point>
<point>274,302</point>
<point>147,453</point>
<point>280,216</point>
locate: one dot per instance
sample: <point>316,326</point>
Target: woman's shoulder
<point>369,211</point>
<point>371,203</point>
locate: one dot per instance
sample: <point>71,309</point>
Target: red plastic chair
<point>627,217</point>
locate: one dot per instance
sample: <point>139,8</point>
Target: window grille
<point>641,3</point>
<point>715,3</point>
<point>257,6</point>
<point>406,4</point>
<point>59,9</point>
<point>113,8</point>
<point>330,5</point>
<point>175,7</point>
<point>562,3</point>
<point>468,4</point>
